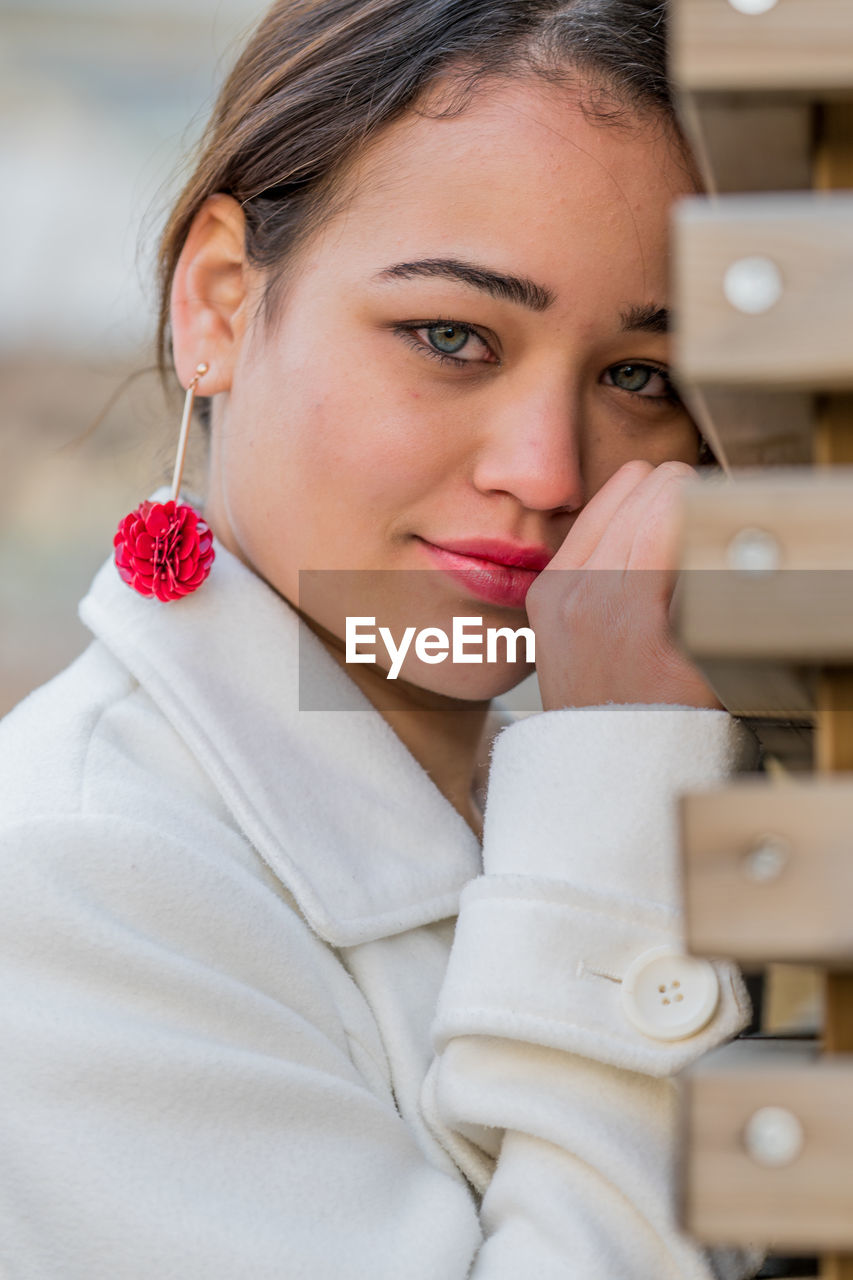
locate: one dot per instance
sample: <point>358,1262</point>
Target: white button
<point>668,995</point>
<point>767,859</point>
<point>773,1137</point>
<point>753,285</point>
<point>754,551</point>
<point>753,6</point>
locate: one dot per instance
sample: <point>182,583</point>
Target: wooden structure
<point>764,347</point>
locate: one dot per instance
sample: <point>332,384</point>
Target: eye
<point>449,341</point>
<point>646,380</point>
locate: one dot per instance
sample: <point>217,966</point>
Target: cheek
<point>617,438</point>
<point>362,418</point>
<point>335,429</point>
<point>384,452</point>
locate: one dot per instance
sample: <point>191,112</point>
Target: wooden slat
<point>788,746</point>
<point>802,45</point>
<point>773,695</point>
<point>744,142</point>
<point>747,428</point>
<point>729,1198</point>
<point>763,691</point>
<point>834,736</point>
<point>832,438</point>
<point>834,752</point>
<point>758,634</point>
<point>793,999</point>
<point>833,152</point>
<point>834,739</point>
<point>803,340</point>
<point>810,514</point>
<point>801,50</point>
<point>768,870</point>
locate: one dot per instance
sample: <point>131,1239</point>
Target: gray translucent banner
<point>764,645</point>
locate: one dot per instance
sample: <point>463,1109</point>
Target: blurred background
<point>102,101</point>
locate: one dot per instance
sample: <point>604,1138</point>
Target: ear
<point>212,295</point>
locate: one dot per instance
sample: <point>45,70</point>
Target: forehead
<point>522,176</point>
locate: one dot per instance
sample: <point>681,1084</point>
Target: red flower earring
<point>162,549</point>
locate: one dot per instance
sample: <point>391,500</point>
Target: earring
<point>162,549</point>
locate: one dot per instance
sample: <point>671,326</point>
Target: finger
<point>645,530</point>
<point>587,531</point>
<point>657,544</point>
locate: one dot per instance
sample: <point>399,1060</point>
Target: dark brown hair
<point>319,78</point>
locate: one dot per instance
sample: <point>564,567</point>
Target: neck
<point>448,737</point>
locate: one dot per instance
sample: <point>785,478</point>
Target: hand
<point>601,609</point>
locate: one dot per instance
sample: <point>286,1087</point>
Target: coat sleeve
<point>186,1090</point>
<point>553,1083</point>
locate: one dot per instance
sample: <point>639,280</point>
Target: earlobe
<point>210,294</point>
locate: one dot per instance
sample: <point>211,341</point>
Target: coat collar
<point>332,800</point>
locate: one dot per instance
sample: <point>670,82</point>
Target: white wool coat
<point>269,1012</point>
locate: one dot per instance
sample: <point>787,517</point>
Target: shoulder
<point>44,740</point>
<point>92,743</point>
<point>119,863</point>
<point>98,790</point>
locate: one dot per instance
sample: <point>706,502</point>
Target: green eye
<point>448,338</point>
<point>632,377</point>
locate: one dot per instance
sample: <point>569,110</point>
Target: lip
<point>499,572</point>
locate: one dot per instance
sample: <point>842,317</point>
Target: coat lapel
<point>332,800</point>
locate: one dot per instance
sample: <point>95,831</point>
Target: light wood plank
<point>802,45</point>
<point>809,513</point>
<point>728,1196</point>
<point>803,340</point>
<point>799,613</point>
<point>768,870</point>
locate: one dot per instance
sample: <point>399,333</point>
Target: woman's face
<point>461,359</point>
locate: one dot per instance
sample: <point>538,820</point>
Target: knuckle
<point>677,470</point>
<point>636,468</point>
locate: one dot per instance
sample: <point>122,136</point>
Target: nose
<point>531,449</point>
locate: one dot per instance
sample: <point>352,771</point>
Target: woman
<point>275,1013</point>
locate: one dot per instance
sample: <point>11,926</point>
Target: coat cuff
<point>588,795</point>
<point>573,937</point>
<point>548,964</point>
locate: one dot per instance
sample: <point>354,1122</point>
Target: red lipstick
<point>492,569</point>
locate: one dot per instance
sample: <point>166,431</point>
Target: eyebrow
<point>517,289</point>
<point>649,319</point>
